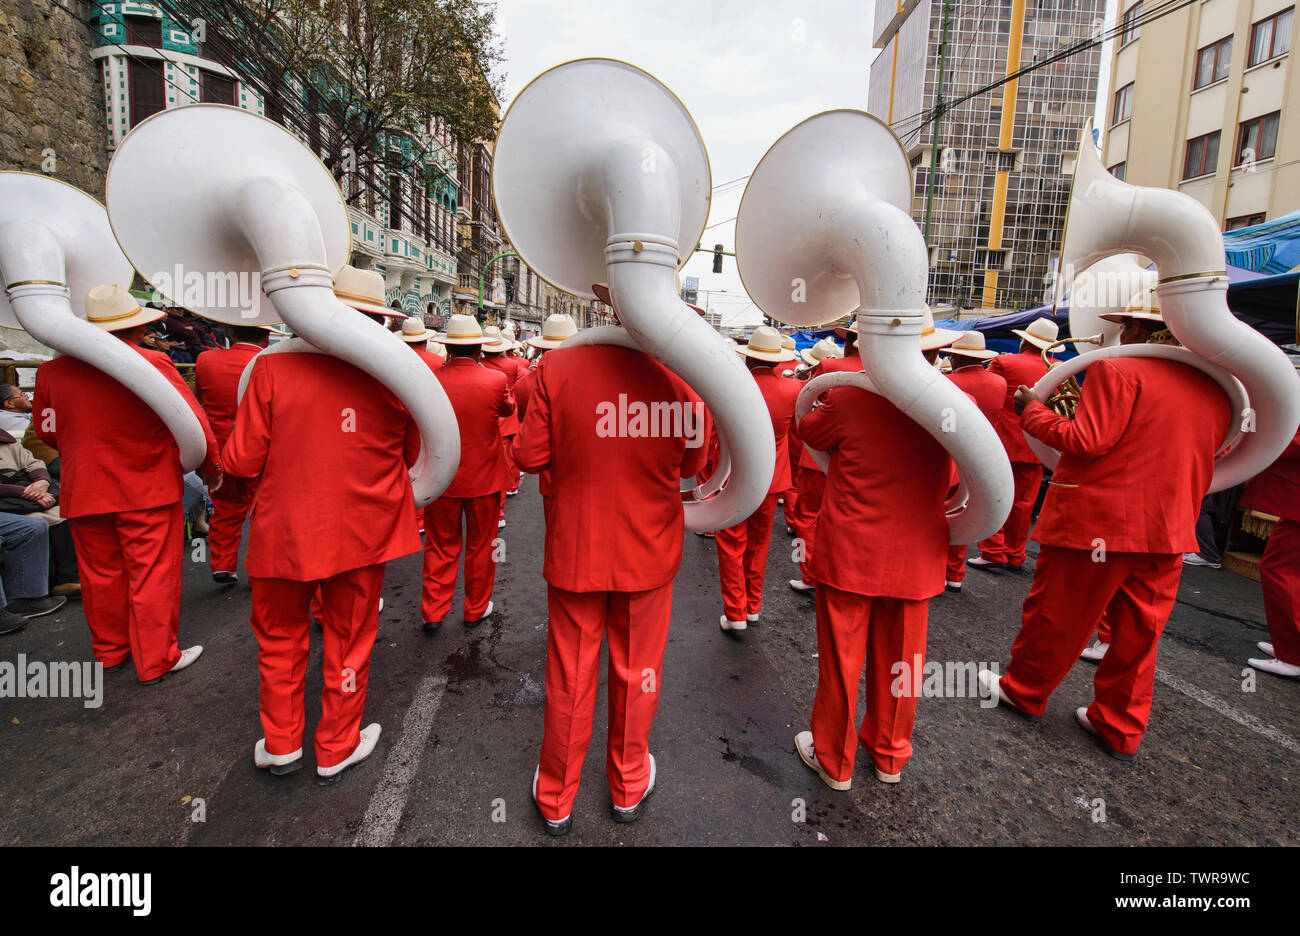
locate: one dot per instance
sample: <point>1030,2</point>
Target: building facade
<point>1199,104</point>
<point>991,174</point>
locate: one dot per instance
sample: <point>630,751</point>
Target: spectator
<point>15,410</point>
<point>27,491</point>
<point>26,571</point>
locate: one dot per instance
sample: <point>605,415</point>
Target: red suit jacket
<point>779,393</point>
<point>434,361</point>
<point>115,453</point>
<point>216,374</point>
<point>1024,367</point>
<point>987,389</point>
<point>523,391</point>
<point>1136,460</point>
<point>613,511</point>
<point>882,530</point>
<point>1276,490</point>
<point>480,397</point>
<point>850,362</point>
<point>514,368</point>
<point>331,446</point>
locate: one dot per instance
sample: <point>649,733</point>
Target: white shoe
<point>803,746</point>
<point>187,658</point>
<point>1194,559</point>
<point>1081,716</point>
<point>278,764</point>
<point>553,826</point>
<point>979,562</point>
<point>512,493</point>
<point>1266,647</point>
<point>705,534</point>
<point>487,613</point>
<point>888,777</point>
<point>364,748</point>
<point>992,685</point>
<point>501,524</point>
<point>952,586</point>
<point>751,618</point>
<point>801,586</point>
<point>381,606</point>
<point>633,813</point>
<point>1094,651</point>
<point>1277,668</point>
<point>729,625</point>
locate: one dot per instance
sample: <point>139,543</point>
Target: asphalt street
<point>462,723</point>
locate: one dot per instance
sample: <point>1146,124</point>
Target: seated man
<point>26,571</point>
<point>25,491</point>
<point>15,410</point>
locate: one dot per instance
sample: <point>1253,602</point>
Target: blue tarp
<point>1269,249</point>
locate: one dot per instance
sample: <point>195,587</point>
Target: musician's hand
<point>1024,396</point>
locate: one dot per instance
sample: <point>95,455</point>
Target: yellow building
<point>1199,103</point>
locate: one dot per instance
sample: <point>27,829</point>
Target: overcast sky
<point>747,72</point>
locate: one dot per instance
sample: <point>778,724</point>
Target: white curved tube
<point>1237,394</point>
<point>30,251</point>
<point>281,227</point>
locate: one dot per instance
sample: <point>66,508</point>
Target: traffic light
<point>717,258</point>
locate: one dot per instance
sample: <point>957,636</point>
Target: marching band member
<point>1120,512</point>
<point>334,504</point>
<point>121,491</point>
<point>1006,547</point>
<point>988,390</point>
<point>609,571</point>
<point>1277,491</point>
<point>498,354</point>
<point>556,330</point>
<point>417,336</point>
<point>742,549</point>
<point>216,375</point>
<point>885,505</point>
<point>481,398</point>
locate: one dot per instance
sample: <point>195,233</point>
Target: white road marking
<point>384,813</point>
<point>1227,711</point>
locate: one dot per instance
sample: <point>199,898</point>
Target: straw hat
<point>1040,333</point>
<point>820,351</point>
<point>494,342</point>
<point>112,308</point>
<point>555,331</point>
<point>462,330</point>
<point>413,330</point>
<point>971,345</point>
<point>787,342</point>
<point>363,290</point>
<point>765,345</point>
<point>849,328</point>
<point>1144,305</point>
<point>934,338</point>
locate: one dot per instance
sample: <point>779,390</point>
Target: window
<point>1257,139</point>
<point>1117,170</point>
<point>1212,63</point>
<point>144,31</point>
<point>395,202</point>
<point>990,259</point>
<point>1271,37</point>
<point>147,95</point>
<point>1236,224</point>
<point>1132,28</point>
<point>1123,107</point>
<point>1202,155</point>
<point>216,89</point>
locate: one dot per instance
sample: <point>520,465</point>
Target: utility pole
<point>483,272</point>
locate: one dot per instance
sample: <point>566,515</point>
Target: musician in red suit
<point>811,480</point>
<point>216,376</point>
<point>884,508</point>
<point>1120,512</point>
<point>330,448</point>
<point>1277,491</point>
<point>481,398</point>
<point>1006,547</point>
<point>613,544</point>
<point>121,492</point>
<point>742,549</point>
<point>989,391</point>
<point>556,330</point>
<point>498,354</point>
<point>417,337</point>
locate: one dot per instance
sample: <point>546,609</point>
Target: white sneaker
<point>888,777</point>
<point>381,606</point>
<point>1194,559</point>
<point>278,764</point>
<point>1266,647</point>
<point>1094,651</point>
<point>633,813</point>
<point>555,827</point>
<point>487,613</point>
<point>992,685</point>
<point>501,524</point>
<point>364,748</point>
<point>801,586</point>
<point>952,586</point>
<point>1277,668</point>
<point>729,625</point>
<point>187,658</point>
<point>803,746</point>
<point>751,618</point>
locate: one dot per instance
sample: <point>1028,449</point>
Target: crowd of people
<point>869,522</point>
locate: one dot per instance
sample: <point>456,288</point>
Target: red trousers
<point>442,544</point>
<point>742,560</point>
<point>812,486</point>
<point>1279,573</point>
<point>230,505</point>
<point>956,564</point>
<point>508,443</point>
<point>1008,543</point>
<point>1070,594</point>
<point>853,630</point>
<point>349,626</point>
<point>131,585</point>
<point>636,626</point>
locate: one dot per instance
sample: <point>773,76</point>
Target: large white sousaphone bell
<point>55,246</point>
<point>1109,217</point>
<point>206,198</point>
<point>600,176</point>
<point>824,231</point>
